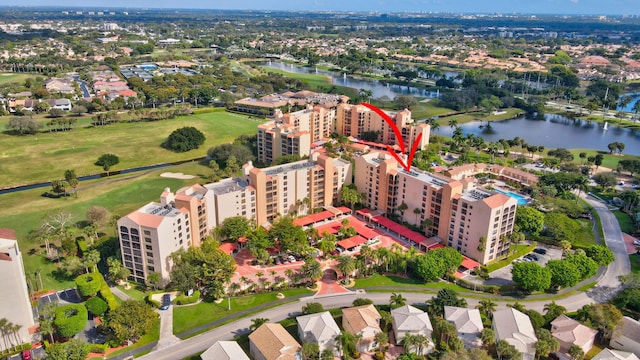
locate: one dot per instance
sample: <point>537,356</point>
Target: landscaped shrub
<point>82,245</point>
<point>88,284</point>
<point>96,306</point>
<point>185,300</point>
<point>70,319</point>
<point>106,294</point>
<point>98,348</point>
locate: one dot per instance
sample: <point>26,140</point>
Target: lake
<point>379,89</point>
<point>553,132</point>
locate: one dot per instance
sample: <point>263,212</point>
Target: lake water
<point>379,89</point>
<point>553,132</point>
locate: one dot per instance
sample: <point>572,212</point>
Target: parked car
<point>292,259</point>
<point>540,251</point>
<point>276,260</point>
<point>532,257</point>
<point>26,355</point>
<point>526,259</point>
<point>636,242</point>
<point>166,302</point>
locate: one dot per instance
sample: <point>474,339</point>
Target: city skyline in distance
<point>569,7</point>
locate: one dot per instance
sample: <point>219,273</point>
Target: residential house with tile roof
<point>468,323</point>
<point>570,332</point>
<point>515,328</point>
<point>627,336</point>
<point>273,342</point>
<point>224,350</point>
<point>608,354</point>
<point>411,320</point>
<point>320,329</point>
<point>364,320</point>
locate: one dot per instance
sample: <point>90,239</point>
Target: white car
<point>292,259</point>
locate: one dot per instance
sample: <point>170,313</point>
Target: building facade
<point>14,298</point>
<point>293,133</point>
<point>472,220</point>
<point>355,120</point>
<point>149,235</point>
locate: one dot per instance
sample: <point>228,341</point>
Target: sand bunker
<point>177,176</point>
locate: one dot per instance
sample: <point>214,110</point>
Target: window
<point>149,254</point>
<point>124,229</point>
<point>148,247</point>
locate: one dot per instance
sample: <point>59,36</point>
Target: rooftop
<point>227,185</point>
<point>305,164</point>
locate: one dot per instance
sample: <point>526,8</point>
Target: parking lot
<point>503,276</point>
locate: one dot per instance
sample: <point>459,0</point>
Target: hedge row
<point>208,110</point>
<point>96,306</point>
<point>106,294</point>
<point>98,348</point>
<point>185,300</point>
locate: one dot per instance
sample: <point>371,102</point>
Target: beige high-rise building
<point>355,120</point>
<point>15,305</point>
<point>472,220</point>
<point>283,189</point>
<point>149,235</point>
<point>293,133</point>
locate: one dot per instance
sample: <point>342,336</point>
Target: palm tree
<point>346,343</point>
<point>636,108</point>
<point>382,339</point>
<point>234,287</point>
<point>453,124</point>
<point>629,199</point>
<point>417,212</point>
<point>312,270</point>
<point>257,322</point>
<point>553,310</point>
<point>487,307</point>
<point>346,265</point>
<point>409,341</point>
<point>488,337</point>
<point>397,300</point>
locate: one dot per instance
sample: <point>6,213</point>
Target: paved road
<point>606,287</point>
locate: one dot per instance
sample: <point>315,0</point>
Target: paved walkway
<point>120,294</point>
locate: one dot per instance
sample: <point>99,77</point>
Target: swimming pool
<point>521,200</point>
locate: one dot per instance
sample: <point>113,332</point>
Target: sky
<point>593,7</point>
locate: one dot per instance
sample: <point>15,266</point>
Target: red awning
<point>313,218</point>
<point>436,246</point>
<point>399,229</point>
<point>469,264</point>
<point>352,242</point>
<point>228,248</point>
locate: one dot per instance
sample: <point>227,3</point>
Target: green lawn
<point>45,156</point>
<point>11,77</point>
<point>24,211</point>
<point>189,317</point>
<point>635,265</point>
<point>625,221</point>
<point>520,250</point>
<point>319,83</point>
<point>152,336</point>
<point>468,117</point>
<point>134,292</point>
<point>387,280</point>
<point>609,161</point>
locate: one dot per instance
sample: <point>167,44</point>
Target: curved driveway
<point>607,285</point>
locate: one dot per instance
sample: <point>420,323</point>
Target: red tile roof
<point>313,218</point>
<point>352,242</point>
<point>393,226</point>
<point>228,248</point>
<point>468,263</point>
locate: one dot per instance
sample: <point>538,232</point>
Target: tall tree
<point>72,180</point>
<point>107,161</point>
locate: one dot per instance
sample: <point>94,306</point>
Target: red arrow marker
<point>398,134</point>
